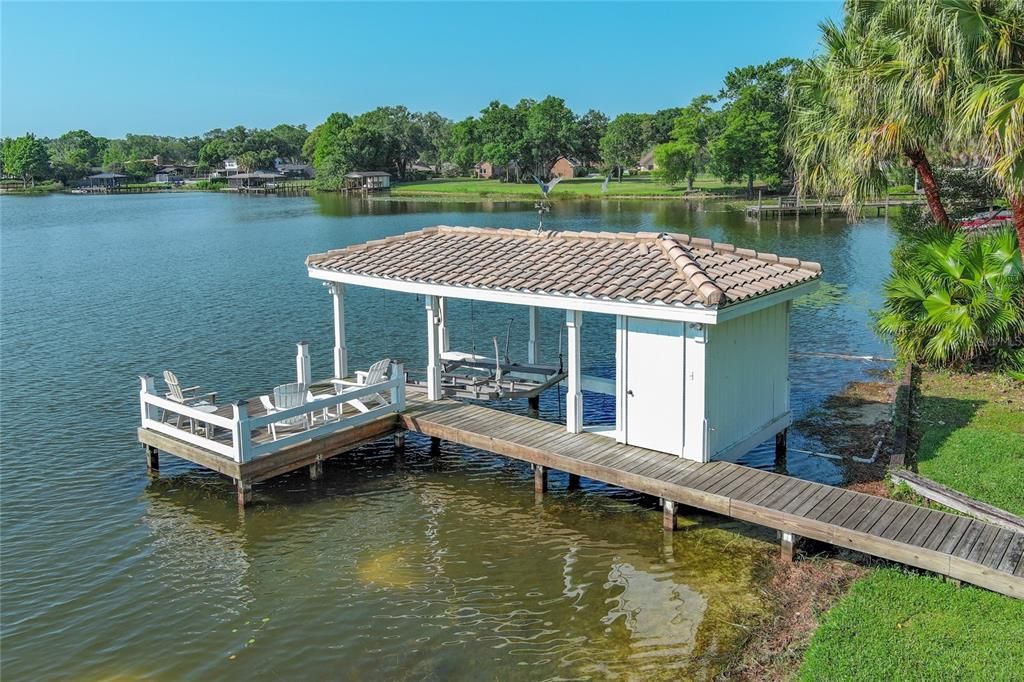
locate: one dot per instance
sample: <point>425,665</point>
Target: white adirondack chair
<point>286,396</point>
<point>377,374</point>
<point>187,396</point>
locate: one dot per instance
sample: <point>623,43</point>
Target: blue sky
<point>183,68</point>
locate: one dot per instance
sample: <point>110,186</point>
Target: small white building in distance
<point>702,328</point>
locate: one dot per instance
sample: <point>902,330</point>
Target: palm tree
<point>906,80</point>
<point>954,298</point>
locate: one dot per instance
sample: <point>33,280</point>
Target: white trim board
<point>651,311</point>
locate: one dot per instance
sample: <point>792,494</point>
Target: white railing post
<point>574,398</point>
<point>302,368</point>
<point>240,432</point>
<point>398,387</point>
<point>148,388</point>
<point>340,348</point>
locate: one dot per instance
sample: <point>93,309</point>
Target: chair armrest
<point>361,377</point>
<point>190,389</point>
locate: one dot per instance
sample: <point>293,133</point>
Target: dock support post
<point>540,480</point>
<point>758,203</point>
<point>244,490</point>
<point>574,398</point>
<point>442,316</point>
<point>316,469</point>
<point>789,543</point>
<point>533,404</point>
<point>780,451</point>
<point>433,348</point>
<point>435,447</point>
<point>340,349</point>
<point>302,366</point>
<point>532,349</point>
<point>574,481</point>
<point>152,459</point>
<point>668,514</point>
<point>400,440</point>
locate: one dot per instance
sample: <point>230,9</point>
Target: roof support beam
<point>532,349</point>
<point>433,348</point>
<point>340,348</point>
<point>574,399</point>
<point>442,311</point>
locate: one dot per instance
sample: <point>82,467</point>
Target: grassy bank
<point>971,436</point>
<point>894,625</point>
<point>575,188</point>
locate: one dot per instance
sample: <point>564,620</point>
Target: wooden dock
<point>956,546</point>
<point>792,206</point>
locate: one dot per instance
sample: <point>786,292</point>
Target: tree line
<point>736,135</point>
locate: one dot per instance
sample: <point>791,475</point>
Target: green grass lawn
<point>971,429</point>
<point>566,189</point>
<point>894,625</point>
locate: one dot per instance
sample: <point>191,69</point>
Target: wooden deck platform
<point>962,548</point>
<point>955,546</point>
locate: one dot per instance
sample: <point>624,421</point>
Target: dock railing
<point>235,439</point>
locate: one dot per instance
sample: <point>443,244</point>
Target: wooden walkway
<point>810,207</point>
<point>955,546</point>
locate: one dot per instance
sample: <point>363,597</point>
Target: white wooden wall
<point>747,389</point>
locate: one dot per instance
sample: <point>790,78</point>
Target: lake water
<point>411,568</point>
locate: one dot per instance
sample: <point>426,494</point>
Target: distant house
<point>487,170</point>
<point>368,181</point>
<point>107,180</point>
<point>295,170</point>
<point>230,166</point>
<point>646,162</point>
<point>567,167</point>
<point>254,179</point>
<point>174,172</point>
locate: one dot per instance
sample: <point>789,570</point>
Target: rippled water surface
<point>389,568</point>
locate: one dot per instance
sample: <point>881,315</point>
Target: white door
<point>654,384</point>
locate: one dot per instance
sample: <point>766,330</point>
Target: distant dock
<point>794,206</point>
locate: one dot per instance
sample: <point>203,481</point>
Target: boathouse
<point>368,181</point>
<point>702,328</point>
<point>701,374</point>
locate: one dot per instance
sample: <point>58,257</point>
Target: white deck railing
<point>235,440</point>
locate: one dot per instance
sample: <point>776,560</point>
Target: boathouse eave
<point>697,314</point>
<point>645,310</point>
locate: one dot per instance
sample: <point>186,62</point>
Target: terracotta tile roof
<point>643,267</point>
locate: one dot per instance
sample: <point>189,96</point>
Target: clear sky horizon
<point>185,68</point>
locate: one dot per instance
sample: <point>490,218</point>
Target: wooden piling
<point>152,459</point>
<point>574,481</point>
<point>244,490</point>
<point>668,514</point>
<point>788,544</point>
<point>400,440</point>
<point>316,469</point>
<point>780,451</point>
<point>533,404</point>
<point>435,447</point>
<point>540,479</point>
